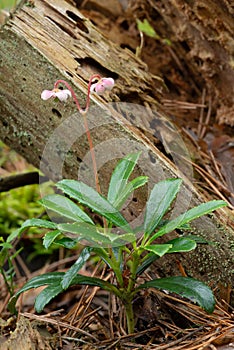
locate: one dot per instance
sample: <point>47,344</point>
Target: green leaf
<point>123,239</point>
<point>159,202</point>
<point>67,242</point>
<point>181,244</point>
<point>146,28</point>
<point>178,243</point>
<point>92,199</point>
<point>30,223</point>
<point>65,207</point>
<point>42,280</point>
<point>90,233</point>
<point>159,249</point>
<point>149,260</point>
<point>71,273</point>
<point>53,280</point>
<point>102,253</point>
<point>56,288</point>
<point>6,245</point>
<point>93,281</point>
<point>38,281</point>
<point>194,213</point>
<point>47,295</point>
<point>14,235</point>
<point>96,235</point>
<point>199,239</point>
<point>49,238</point>
<point>39,223</point>
<point>129,188</point>
<point>187,287</point>
<point>120,176</point>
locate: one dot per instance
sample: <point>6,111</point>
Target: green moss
<point>18,205</point>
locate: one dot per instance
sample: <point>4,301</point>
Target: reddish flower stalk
<point>84,113</point>
<point>100,87</point>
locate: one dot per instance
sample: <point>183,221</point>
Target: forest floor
<point>81,318</point>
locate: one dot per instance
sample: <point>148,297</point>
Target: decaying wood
<point>51,41</point>
<point>204,30</point>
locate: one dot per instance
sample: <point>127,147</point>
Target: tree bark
<point>51,41</point>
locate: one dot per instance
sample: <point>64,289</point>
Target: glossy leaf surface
<point>191,214</point>
<point>159,249</point>
<point>159,201</point>
<point>72,272</point>
<point>96,235</point>
<point>190,288</point>
<point>149,259</point>
<point>120,176</point>
<point>54,281</point>
<point>56,288</point>
<point>65,207</point>
<point>49,238</point>
<point>32,223</point>
<point>128,189</point>
<point>92,199</point>
<point>181,244</point>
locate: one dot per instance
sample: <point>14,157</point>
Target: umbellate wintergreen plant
<point>127,251</point>
<point>124,253</point>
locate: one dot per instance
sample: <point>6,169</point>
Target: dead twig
<point>58,323</point>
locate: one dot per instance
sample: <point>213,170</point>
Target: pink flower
<point>102,85</point>
<point>62,95</point>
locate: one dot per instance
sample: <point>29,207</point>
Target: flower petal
<point>92,88</point>
<point>63,95</point>
<point>102,85</point>
<point>100,88</point>
<point>46,94</point>
<point>108,83</point>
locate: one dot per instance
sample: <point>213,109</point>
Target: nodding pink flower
<point>102,85</point>
<point>62,95</point>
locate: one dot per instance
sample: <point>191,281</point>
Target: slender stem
<point>97,183</point>
<point>133,270</point>
<point>112,262</point>
<point>60,81</point>
<point>144,240</point>
<point>84,113</point>
<point>129,292</point>
<point>95,76</point>
<point>116,268</point>
<point>129,316</point>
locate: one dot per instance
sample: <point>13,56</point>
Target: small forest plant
<point>123,252</point>
<point>127,251</point>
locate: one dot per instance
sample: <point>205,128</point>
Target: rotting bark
<point>52,40</point>
<point>203,32</point>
